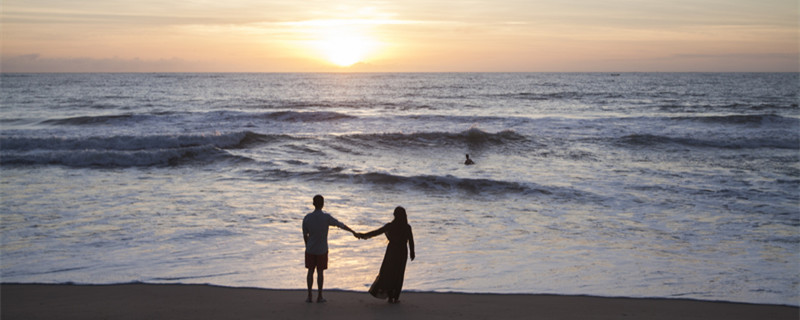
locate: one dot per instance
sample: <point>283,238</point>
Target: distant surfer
<point>469,161</point>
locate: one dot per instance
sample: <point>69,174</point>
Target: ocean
<point>677,185</point>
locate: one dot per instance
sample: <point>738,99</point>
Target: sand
<point>153,301</point>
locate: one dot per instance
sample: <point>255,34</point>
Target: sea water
<point>639,185</point>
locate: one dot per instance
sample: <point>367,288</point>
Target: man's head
<point>319,201</point>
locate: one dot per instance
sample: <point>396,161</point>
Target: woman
<point>389,282</point>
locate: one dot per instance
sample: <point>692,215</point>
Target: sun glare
<point>341,42</point>
<point>346,50</point>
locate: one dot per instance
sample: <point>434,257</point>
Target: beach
<point>639,185</point>
<point>157,301</point>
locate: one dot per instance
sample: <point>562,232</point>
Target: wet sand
<point>151,301</point>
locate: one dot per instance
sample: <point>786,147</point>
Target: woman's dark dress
<point>389,282</point>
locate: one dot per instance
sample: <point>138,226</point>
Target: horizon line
<point>367,72</point>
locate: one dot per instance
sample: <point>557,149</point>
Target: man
<point>469,161</point>
<point>315,235</point>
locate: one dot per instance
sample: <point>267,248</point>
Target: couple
<point>389,282</point>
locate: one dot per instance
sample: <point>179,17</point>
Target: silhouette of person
<point>315,235</point>
<point>389,282</point>
<point>469,161</point>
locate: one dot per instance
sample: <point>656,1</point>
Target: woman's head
<point>400,215</point>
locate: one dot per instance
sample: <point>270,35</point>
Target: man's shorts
<point>320,261</point>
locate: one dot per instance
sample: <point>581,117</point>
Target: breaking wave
<point>732,143</point>
<point>434,183</point>
<point>437,139</point>
<point>134,119</point>
<point>126,151</point>
<point>295,116</point>
<point>90,120</point>
<point>745,119</point>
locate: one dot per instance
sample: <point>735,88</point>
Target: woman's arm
<point>411,243</point>
<point>374,232</point>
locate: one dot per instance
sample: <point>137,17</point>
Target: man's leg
<point>320,280</point>
<point>310,281</point>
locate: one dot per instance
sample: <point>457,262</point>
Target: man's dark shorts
<point>319,261</point>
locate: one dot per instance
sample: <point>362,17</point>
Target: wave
<point>745,119</point>
<point>122,119</point>
<point>108,158</point>
<point>472,136</point>
<point>126,151</point>
<point>728,143</point>
<point>564,95</point>
<point>201,276</point>
<point>733,107</point>
<point>447,183</point>
<point>280,116</point>
<point>444,183</point>
<point>131,143</point>
<point>89,120</point>
<point>295,116</point>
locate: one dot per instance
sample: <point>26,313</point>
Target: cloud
<point>347,22</point>
<point>751,62</point>
<point>779,56</point>
<point>35,63</point>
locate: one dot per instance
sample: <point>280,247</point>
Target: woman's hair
<point>400,215</point>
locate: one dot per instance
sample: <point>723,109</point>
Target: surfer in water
<point>469,161</point>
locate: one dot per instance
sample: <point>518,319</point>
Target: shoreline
<point>197,301</point>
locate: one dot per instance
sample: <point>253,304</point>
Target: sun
<point>345,50</point>
<point>340,42</point>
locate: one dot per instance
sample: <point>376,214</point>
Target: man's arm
<point>345,227</point>
<point>339,224</point>
<point>305,232</point>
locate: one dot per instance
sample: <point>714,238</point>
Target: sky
<point>399,36</point>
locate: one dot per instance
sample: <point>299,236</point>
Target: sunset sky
<point>399,36</point>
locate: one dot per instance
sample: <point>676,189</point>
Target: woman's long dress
<point>389,282</point>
